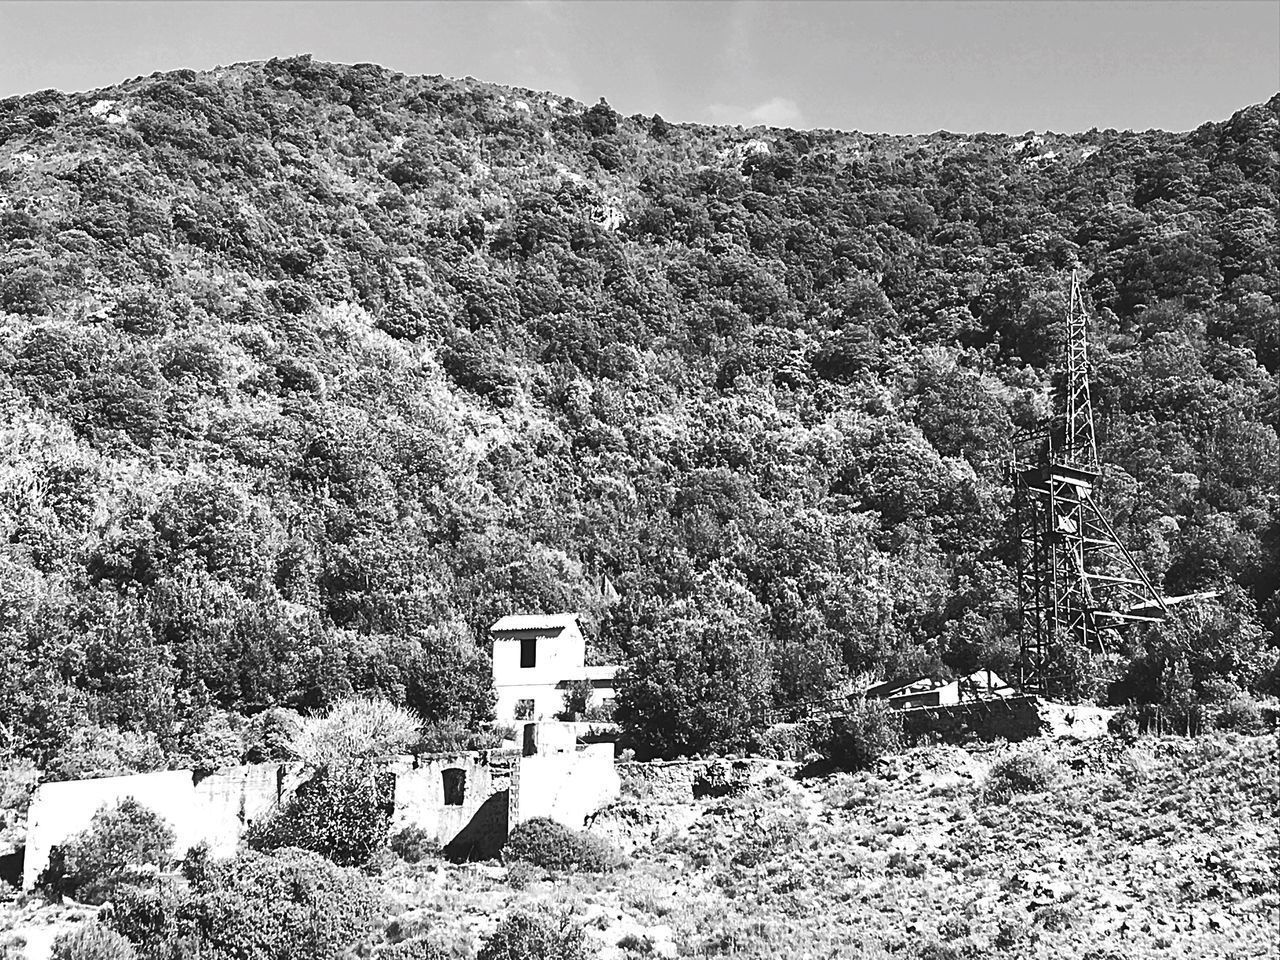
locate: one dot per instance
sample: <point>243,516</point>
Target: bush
<point>784,741</point>
<point>856,739</point>
<point>545,843</point>
<point>18,780</point>
<point>412,844</point>
<point>104,752</point>
<point>1024,772</point>
<point>340,814</point>
<point>121,841</point>
<point>526,936</point>
<point>417,948</point>
<point>1239,713</point>
<point>578,695</point>
<point>91,941</point>
<point>453,736</point>
<point>270,735</point>
<point>254,907</point>
<point>355,731</point>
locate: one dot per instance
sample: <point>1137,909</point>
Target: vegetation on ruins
<point>124,843</point>
<point>308,372</point>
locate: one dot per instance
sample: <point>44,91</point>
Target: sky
<point>897,67</point>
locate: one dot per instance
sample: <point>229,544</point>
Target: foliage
<point>91,941</point>
<point>1024,771</point>
<point>104,752</point>
<point>340,813</point>
<point>697,678</point>
<point>255,907</point>
<point>451,736</point>
<point>577,699</point>
<point>122,839</point>
<point>546,843</point>
<point>413,844</point>
<point>1241,713</point>
<point>415,948</point>
<point>299,392</point>
<point>18,782</point>
<point>529,936</point>
<point>858,736</point>
<point>355,731</point>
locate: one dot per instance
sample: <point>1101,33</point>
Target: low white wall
<point>567,787</point>
<point>213,809</point>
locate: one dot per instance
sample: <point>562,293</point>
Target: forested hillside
<point>309,372</point>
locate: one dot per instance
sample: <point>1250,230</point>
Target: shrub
<point>121,838</point>
<point>417,948</point>
<point>1239,713</point>
<point>577,699</point>
<point>146,915</point>
<point>104,752</point>
<point>91,941</point>
<point>355,730</point>
<point>254,907</point>
<point>521,873</point>
<point>856,739</point>
<point>1024,772</point>
<point>341,814</point>
<point>545,843</point>
<point>17,785</point>
<point>453,736</point>
<point>412,844</point>
<point>527,936</point>
<point>784,741</point>
<point>270,735</point>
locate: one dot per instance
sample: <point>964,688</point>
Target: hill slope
<point>311,371</point>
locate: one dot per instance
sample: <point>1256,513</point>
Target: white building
<point>535,658</point>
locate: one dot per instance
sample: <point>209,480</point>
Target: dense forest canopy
<point>309,372</point>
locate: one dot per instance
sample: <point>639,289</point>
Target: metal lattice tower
<point>1076,581</point>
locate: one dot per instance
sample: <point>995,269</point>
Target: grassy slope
<point>1161,848</point>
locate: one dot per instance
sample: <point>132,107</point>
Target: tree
<point>697,676</point>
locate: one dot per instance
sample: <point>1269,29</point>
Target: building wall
<point>213,809</point>
<point>559,657</point>
<point>216,808</point>
<point>567,786</point>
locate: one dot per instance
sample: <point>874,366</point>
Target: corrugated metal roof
<point>550,622</point>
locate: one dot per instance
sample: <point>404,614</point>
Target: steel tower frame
<point>1076,581</point>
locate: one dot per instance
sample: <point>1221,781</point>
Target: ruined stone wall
<point>567,786</point>
<point>459,799</point>
<point>212,809</point>
<point>466,802</point>
<point>1015,718</point>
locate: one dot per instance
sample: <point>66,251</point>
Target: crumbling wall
<point>1015,718</point>
<point>213,808</point>
<point>459,799</point>
<point>466,802</point>
<point>567,786</point>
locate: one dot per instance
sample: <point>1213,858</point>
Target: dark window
<point>455,787</point>
<point>528,653</point>
<point>524,709</point>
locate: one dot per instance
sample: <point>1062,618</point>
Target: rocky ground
<point>1153,848</point>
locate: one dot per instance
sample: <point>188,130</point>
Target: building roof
<point>548,623</point>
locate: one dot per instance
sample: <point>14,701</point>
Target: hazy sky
<point>904,66</point>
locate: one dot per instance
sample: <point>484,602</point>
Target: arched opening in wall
<point>455,786</point>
